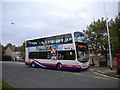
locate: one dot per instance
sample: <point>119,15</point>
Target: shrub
<point>6,58</point>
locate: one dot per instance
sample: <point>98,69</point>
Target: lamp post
<point>119,9</point>
<point>111,66</point>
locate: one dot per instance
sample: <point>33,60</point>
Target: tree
<point>115,35</point>
<point>22,50</point>
<point>8,45</point>
<point>97,36</point>
<point>3,49</point>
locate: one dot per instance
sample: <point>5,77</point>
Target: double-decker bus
<point>64,51</point>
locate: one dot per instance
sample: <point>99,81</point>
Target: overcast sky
<point>25,20</point>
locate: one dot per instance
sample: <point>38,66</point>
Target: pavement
<point>106,71</point>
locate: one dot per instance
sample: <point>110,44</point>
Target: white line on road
<point>77,74</point>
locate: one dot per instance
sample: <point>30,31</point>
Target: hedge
<point>6,58</point>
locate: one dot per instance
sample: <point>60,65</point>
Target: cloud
<point>47,17</point>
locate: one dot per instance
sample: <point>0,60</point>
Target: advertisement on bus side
<point>50,47</point>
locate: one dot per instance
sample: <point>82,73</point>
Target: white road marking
<point>77,74</point>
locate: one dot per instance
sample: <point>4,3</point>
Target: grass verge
<point>4,84</point>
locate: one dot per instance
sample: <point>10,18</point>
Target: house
<point>13,51</point>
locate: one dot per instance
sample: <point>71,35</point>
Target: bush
<point>6,58</point>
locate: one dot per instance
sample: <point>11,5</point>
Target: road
<point>19,75</point>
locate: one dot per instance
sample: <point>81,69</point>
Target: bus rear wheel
<point>33,64</point>
<point>59,67</point>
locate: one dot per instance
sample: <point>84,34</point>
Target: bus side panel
<point>70,64</point>
<point>67,64</point>
<point>48,63</point>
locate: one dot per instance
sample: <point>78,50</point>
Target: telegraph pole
<point>119,9</point>
<point>111,66</point>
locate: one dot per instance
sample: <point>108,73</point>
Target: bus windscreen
<point>81,47</point>
<point>80,37</point>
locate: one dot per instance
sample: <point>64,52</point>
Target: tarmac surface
<point>18,75</point>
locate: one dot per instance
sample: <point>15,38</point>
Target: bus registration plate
<point>84,65</point>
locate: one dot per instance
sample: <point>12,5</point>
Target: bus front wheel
<point>59,67</point>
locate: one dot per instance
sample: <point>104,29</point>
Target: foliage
<point>3,49</point>
<point>97,36</point>
<point>115,35</point>
<point>6,85</point>
<point>8,45</point>
<point>22,50</point>
<point>6,58</point>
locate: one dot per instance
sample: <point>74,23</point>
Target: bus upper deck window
<point>68,38</point>
<point>59,39</point>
